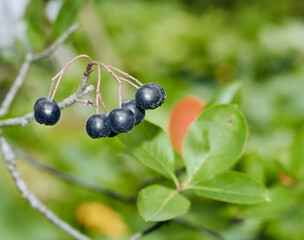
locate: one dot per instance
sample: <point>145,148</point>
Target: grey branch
<point>29,58</point>
<point>202,229</point>
<point>25,119</point>
<point>73,180</point>
<point>10,161</point>
<point>148,230</point>
<point>48,51</point>
<point>18,82</point>
<point>82,90</point>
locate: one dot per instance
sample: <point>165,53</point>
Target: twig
<point>82,90</point>
<point>29,58</point>
<point>10,161</point>
<point>126,74</point>
<point>60,74</point>
<point>148,230</point>
<point>48,51</point>
<point>201,229</point>
<point>73,180</point>
<point>18,82</point>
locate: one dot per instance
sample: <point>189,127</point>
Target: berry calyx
<point>98,126</point>
<point>121,120</point>
<point>139,113</point>
<point>150,96</point>
<point>46,111</point>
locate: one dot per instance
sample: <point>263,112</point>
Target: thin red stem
<point>126,74</point>
<point>126,80</point>
<point>62,72</point>
<point>98,89</point>
<point>124,95</point>
<point>102,103</point>
<point>117,80</point>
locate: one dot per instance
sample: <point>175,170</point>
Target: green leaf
<point>214,142</point>
<point>228,94</point>
<point>159,203</point>
<point>150,145</point>
<point>231,187</point>
<point>66,15</point>
<point>282,199</point>
<point>37,25</point>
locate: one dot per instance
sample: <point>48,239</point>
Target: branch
<point>49,51</point>
<point>10,161</point>
<point>29,58</point>
<point>25,119</point>
<point>201,229</point>
<point>75,97</point>
<point>148,230</point>
<point>73,180</point>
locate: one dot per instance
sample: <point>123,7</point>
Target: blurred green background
<point>188,46</point>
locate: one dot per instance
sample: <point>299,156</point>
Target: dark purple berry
<point>46,111</point>
<point>113,134</point>
<point>41,100</point>
<point>139,113</point>
<point>98,126</point>
<point>162,90</point>
<point>121,120</point>
<point>149,96</point>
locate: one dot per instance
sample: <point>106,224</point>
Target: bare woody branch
<point>74,180</point>
<point>148,230</point>
<point>25,119</point>
<point>48,51</point>
<point>10,161</point>
<point>73,98</point>
<point>202,229</point>
<point>29,58</point>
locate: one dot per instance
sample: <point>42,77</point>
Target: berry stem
<point>126,74</point>
<point>98,95</point>
<point>121,92</point>
<point>60,74</point>
<point>97,90</point>
<point>124,95</point>
<point>126,80</point>
<point>102,103</point>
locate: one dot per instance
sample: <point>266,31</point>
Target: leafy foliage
<point>214,142</point>
<point>150,145</point>
<point>159,203</point>
<point>231,187</point>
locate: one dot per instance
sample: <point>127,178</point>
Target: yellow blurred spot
<point>101,218</point>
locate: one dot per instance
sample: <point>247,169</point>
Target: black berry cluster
<point>131,113</point>
<point>109,124</point>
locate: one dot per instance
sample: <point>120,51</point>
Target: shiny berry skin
<point>41,100</point>
<point>138,112</point>
<point>149,96</point>
<point>46,111</point>
<point>112,134</point>
<point>162,90</point>
<point>98,126</point>
<point>121,120</point>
